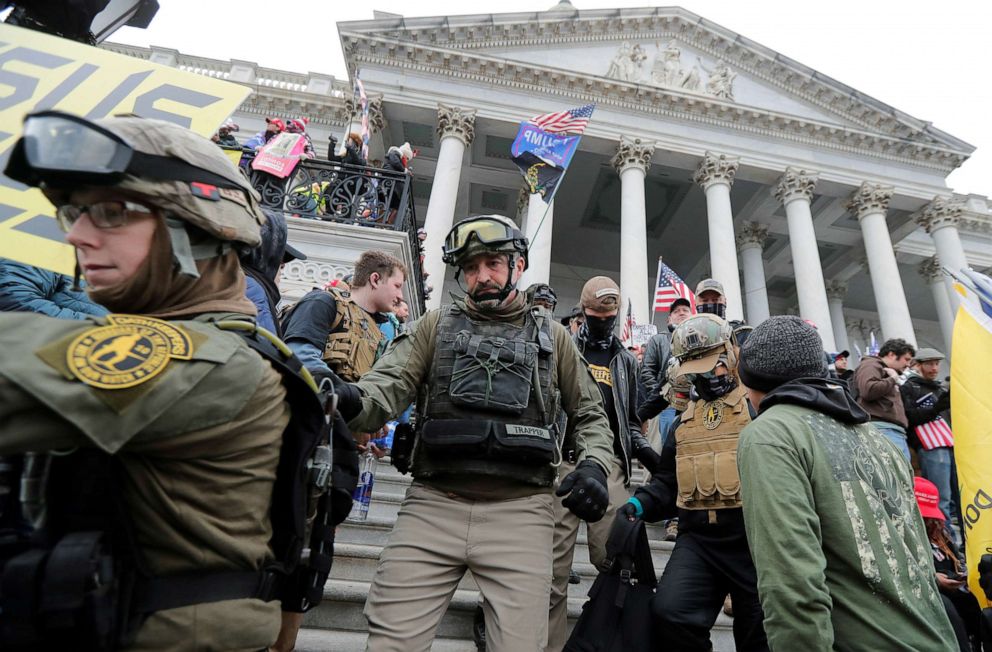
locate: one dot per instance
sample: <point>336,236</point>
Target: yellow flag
<point>38,71</point>
<point>971,418</point>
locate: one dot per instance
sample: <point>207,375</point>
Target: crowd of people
<point>173,437</point>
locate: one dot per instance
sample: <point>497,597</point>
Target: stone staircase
<point>338,624</point>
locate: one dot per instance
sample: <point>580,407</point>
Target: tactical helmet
<point>483,234</point>
<point>542,292</point>
<point>185,175</point>
<point>699,341</point>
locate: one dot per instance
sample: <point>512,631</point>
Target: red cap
<point>928,498</point>
<point>277,122</point>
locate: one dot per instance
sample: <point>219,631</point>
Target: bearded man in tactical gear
<point>697,479</point>
<point>490,375</point>
<point>168,432</point>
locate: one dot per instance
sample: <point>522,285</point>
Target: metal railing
<point>349,194</point>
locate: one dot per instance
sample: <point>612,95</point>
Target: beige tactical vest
<point>706,452</point>
<point>351,351</point>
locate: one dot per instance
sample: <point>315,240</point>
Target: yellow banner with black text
<point>38,71</point>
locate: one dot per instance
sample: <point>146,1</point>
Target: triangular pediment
<point>667,56</point>
<point>672,65</point>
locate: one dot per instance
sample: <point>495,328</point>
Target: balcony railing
<point>348,194</point>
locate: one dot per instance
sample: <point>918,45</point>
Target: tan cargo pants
<point>566,531</point>
<point>505,543</point>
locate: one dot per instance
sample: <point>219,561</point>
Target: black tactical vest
<point>491,401</point>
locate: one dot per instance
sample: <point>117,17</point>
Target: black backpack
<point>617,617</point>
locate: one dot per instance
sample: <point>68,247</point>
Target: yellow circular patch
<point>126,352</point>
<point>713,415</point>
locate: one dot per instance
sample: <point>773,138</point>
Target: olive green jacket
<point>198,444</point>
<point>394,381</point>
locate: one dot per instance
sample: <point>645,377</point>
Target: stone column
<point>934,276</point>
<point>836,291</point>
<point>632,161</point>
<point>539,236</point>
<point>715,174</point>
<point>869,204</point>
<point>940,219</point>
<point>795,191</point>
<point>750,243</point>
<point>455,128</point>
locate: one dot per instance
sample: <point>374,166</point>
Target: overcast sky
<point>932,60</point>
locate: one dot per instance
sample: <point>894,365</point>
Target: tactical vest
<point>706,452</point>
<point>350,351</point>
<point>490,405</point>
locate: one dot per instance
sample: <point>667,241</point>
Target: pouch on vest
<point>482,439</point>
<point>492,373</point>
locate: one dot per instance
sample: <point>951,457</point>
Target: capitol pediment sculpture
<point>628,64</point>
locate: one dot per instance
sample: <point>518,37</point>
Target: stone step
<point>324,640</point>
<point>342,612</point>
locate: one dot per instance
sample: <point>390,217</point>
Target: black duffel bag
<point>617,615</point>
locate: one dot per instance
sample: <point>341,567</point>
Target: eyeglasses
<point>104,215</point>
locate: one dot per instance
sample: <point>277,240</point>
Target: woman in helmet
<point>191,417</point>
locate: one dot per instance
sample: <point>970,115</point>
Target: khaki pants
<point>566,531</point>
<point>505,543</point>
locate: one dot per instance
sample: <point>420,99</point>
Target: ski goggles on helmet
<point>61,149</point>
<point>486,230</point>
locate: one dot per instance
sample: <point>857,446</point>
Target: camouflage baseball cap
<point>710,284</point>
<point>601,294</point>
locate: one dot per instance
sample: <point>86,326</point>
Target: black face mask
<point>600,328</point>
<point>718,309</point>
<point>714,387</point>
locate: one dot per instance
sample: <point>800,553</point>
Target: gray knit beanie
<point>781,349</point>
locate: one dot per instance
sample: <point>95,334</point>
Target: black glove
<point>588,496</point>
<point>985,575</point>
<point>649,459</point>
<point>627,511</point>
<point>943,403</point>
<point>349,398</point>
<point>645,454</point>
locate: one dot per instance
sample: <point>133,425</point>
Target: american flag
<point>936,434</point>
<point>363,100</point>
<point>670,287</point>
<point>573,121</point>
<point>628,325</point>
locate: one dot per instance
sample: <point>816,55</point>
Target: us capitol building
<point>713,152</point>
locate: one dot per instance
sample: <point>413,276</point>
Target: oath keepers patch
<point>126,352</point>
<point>713,415</point>
<point>527,431</point>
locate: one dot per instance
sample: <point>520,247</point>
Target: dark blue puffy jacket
<point>24,288</point>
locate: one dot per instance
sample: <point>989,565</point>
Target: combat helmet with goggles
<point>485,234</point>
<point>182,174</point>
<point>701,342</point>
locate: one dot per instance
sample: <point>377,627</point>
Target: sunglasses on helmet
<point>61,149</point>
<point>485,230</point>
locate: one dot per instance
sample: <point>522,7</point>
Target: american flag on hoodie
<point>936,433</point>
<point>572,122</point>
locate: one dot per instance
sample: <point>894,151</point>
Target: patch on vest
<point>127,352</point>
<point>713,416</point>
<point>527,431</point>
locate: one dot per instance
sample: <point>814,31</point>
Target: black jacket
<point>652,375</point>
<point>623,369</point>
